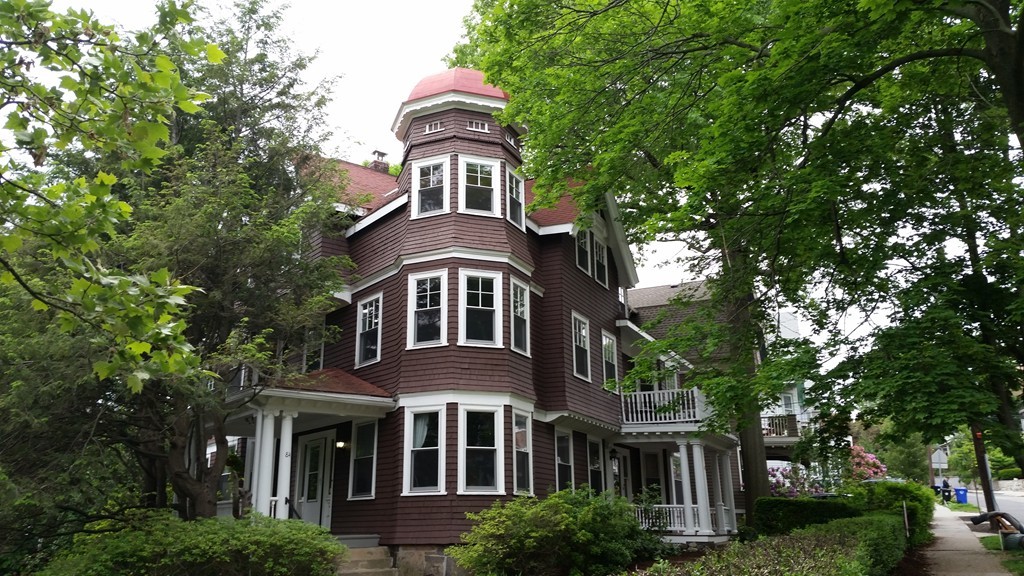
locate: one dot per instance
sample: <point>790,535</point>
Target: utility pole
<point>984,475</point>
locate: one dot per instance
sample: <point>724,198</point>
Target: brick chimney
<point>378,163</point>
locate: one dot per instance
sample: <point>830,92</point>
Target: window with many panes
<point>478,186</point>
<point>515,200</point>
<point>368,333</point>
<point>520,317</point>
<point>477,126</point>
<point>610,354</point>
<point>600,262</point>
<point>595,462</point>
<point>425,452</point>
<point>430,187</point>
<point>480,308</point>
<point>428,297</point>
<point>522,443</point>
<point>479,469</point>
<point>583,250</point>
<point>580,346</point>
<point>364,455</point>
<point>563,460</point>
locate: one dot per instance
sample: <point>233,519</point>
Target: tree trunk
<point>984,478</point>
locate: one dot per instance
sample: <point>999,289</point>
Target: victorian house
<point>479,357</point>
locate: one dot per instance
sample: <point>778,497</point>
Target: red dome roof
<point>455,80</point>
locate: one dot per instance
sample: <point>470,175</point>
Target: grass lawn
<point>1013,559</point>
<point>964,508</point>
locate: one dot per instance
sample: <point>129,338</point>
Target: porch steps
<point>375,561</point>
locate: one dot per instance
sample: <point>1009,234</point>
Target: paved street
<point>1010,502</point>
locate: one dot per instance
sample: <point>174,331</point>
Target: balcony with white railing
<point>664,407</point>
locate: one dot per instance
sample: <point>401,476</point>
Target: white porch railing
<point>672,518</point>
<point>663,407</point>
<point>784,425</point>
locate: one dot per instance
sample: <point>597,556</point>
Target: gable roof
<point>563,212</point>
<point>656,296</point>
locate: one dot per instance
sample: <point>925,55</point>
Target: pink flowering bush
<point>865,465</point>
<point>792,482</point>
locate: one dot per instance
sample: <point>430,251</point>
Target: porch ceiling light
<point>340,444</point>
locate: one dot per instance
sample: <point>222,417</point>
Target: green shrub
<point>878,541</point>
<point>890,496</point>
<point>1008,474</point>
<point>776,515</point>
<point>158,544</point>
<point>567,533</point>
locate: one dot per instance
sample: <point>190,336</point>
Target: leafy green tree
<point>841,156</point>
<point>72,82</point>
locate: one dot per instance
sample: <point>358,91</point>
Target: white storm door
<point>314,493</point>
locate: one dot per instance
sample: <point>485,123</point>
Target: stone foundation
<point>425,561</point>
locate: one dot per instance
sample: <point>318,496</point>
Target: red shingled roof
<point>563,212</point>
<point>364,181</point>
<point>455,80</point>
<point>337,381</point>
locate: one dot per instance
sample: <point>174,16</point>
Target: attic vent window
<point>477,126</point>
<point>512,140</point>
<point>434,126</point>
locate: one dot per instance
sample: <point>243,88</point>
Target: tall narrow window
<point>580,346</point>
<point>430,192</point>
<point>424,452</point>
<point>364,454</point>
<point>368,335</point>
<point>563,460</point>
<point>480,308</point>
<point>583,250</point>
<point>610,353</point>
<point>479,183</point>
<point>600,263</point>
<point>428,295</point>
<point>515,202</point>
<point>480,444</point>
<point>520,317</point>
<point>521,441</point>
<point>595,461</point>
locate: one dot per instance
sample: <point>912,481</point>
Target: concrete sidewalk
<point>956,550</point>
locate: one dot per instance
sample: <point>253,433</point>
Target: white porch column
<point>253,480</point>
<point>725,463</point>
<point>284,466</point>
<point>716,495</point>
<point>684,471</point>
<point>266,471</point>
<point>700,473</point>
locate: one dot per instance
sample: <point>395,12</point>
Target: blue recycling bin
<point>961,495</point>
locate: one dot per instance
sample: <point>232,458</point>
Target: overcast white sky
<point>379,48</point>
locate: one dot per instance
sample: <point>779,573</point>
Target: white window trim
<point>599,247</point>
<point>359,327</point>
<point>572,333</point>
<point>499,441</point>
<point>411,316</point>
<point>410,412</point>
<point>605,337</point>
<point>352,462</point>
<point>495,165</point>
<point>437,124</point>
<point>445,161</point>
<point>510,175</point>
<point>585,266</point>
<point>572,461</point>
<point>486,126</point>
<point>511,316</point>
<point>529,451</point>
<point>496,277</point>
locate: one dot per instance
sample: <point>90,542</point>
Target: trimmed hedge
<point>863,546</point>
<point>159,544</point>
<point>890,496</point>
<point>1009,474</point>
<point>777,515</point>
<point>878,541</point>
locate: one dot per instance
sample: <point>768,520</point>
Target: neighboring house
<point>479,351</point>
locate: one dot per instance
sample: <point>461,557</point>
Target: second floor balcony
<point>664,407</point>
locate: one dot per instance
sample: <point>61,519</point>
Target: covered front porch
<point>300,435</point>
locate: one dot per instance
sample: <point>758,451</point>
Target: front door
<point>314,490</point>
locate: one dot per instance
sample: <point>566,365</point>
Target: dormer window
<point>477,126</point>
<point>512,140</point>
<point>479,186</point>
<point>430,187</point>
<point>434,126</point>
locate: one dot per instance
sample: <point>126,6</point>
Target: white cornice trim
<point>377,214</point>
<point>444,101</point>
<point>468,397</point>
<point>643,334</point>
